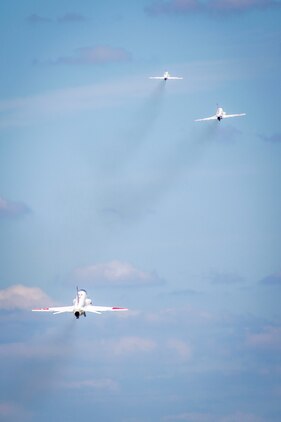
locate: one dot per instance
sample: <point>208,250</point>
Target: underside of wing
<point>225,116</point>
<point>55,310</point>
<point>206,118</point>
<point>156,77</point>
<point>98,309</point>
<point>174,77</point>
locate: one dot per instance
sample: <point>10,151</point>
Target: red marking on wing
<point>41,309</point>
<point>115,308</point>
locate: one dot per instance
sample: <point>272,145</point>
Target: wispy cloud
<point>173,7</point>
<point>71,17</point>
<point>115,273</point>
<point>181,349</point>
<point>12,209</point>
<point>185,292</point>
<point>241,6</point>
<point>214,417</point>
<point>171,317</point>
<point>52,104</point>
<point>22,297</point>
<point>272,280</point>
<point>269,338</point>
<point>242,416</point>
<point>217,277</point>
<point>274,139</point>
<point>22,111</point>
<point>97,55</point>
<point>106,384</point>
<point>118,349</point>
<point>12,411</point>
<point>131,345</point>
<point>67,18</point>
<point>25,350</point>
<point>35,19</point>
<point>218,7</point>
<point>190,417</point>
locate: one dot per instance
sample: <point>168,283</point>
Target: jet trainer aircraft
<point>220,114</point>
<point>165,77</point>
<point>81,305</point>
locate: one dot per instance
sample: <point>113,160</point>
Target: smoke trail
<point>146,116</point>
<point>132,201</point>
<point>128,200</point>
<point>140,125</point>
<point>40,365</point>
<point>56,351</point>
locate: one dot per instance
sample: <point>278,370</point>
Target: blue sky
<point>107,182</point>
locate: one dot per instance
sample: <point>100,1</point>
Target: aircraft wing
<point>99,309</point>
<point>55,310</point>
<point>206,118</point>
<point>225,116</point>
<point>174,77</point>
<point>156,77</point>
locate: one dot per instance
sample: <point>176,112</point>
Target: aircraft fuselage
<point>220,114</point>
<point>79,302</point>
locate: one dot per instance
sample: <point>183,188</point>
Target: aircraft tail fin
<point>77,297</point>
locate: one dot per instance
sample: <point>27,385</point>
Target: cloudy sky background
<point>106,182</point>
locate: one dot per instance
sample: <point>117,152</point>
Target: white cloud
<point>115,273</point>
<point>22,297</point>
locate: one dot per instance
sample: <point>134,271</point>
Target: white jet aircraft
<point>165,77</point>
<point>220,114</point>
<point>81,305</point>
